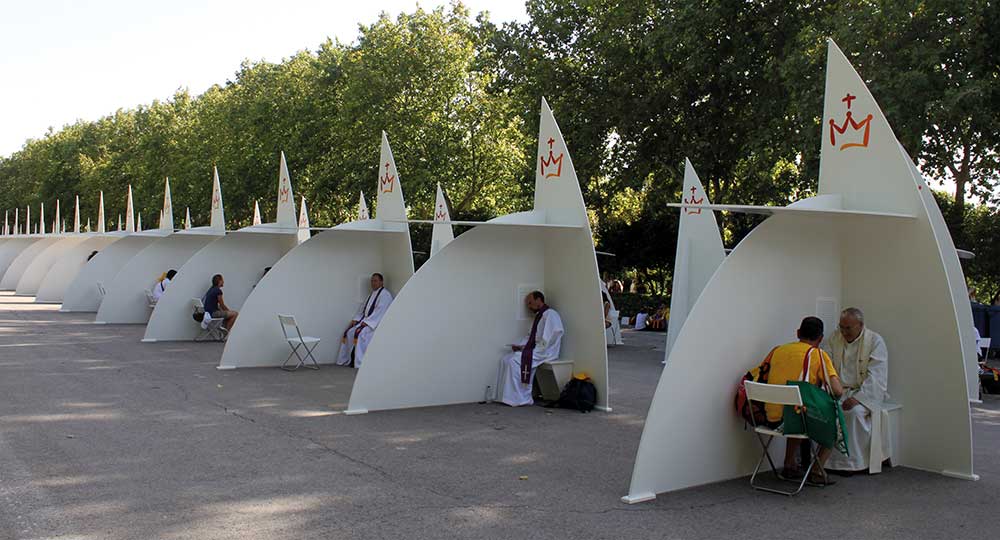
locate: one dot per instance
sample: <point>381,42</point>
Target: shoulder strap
<point>806,364</point>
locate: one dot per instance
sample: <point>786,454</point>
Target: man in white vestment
<point>517,369</point>
<point>359,333</point>
<point>161,286</point>
<point>861,359</point>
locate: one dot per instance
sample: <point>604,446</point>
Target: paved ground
<point>102,437</point>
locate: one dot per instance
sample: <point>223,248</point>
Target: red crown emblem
<point>387,182</point>
<point>302,220</point>
<point>551,162</point>
<point>283,192</point>
<point>854,124</point>
<point>440,214</point>
<point>692,200</point>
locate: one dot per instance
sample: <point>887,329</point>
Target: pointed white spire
<point>17,226</point>
<point>28,226</point>
<point>256,213</point>
<point>167,214</point>
<point>286,199</point>
<point>442,233</point>
<point>138,222</point>
<point>57,221</point>
<point>100,215</point>
<point>76,216</point>
<point>120,222</point>
<point>187,219</point>
<point>303,222</point>
<point>6,222</point>
<point>41,219</point>
<point>557,191</point>
<point>389,203</point>
<point>88,225</point>
<point>363,208</point>
<point>218,218</point>
<point>129,213</point>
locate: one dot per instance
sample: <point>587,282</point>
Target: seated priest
<point>517,369</point>
<point>359,333</point>
<point>862,360</point>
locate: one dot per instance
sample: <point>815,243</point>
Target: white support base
<point>976,401</point>
<point>352,412</point>
<point>100,322</point>
<point>602,408</point>
<point>635,499</point>
<point>220,368</point>
<point>961,476</point>
<point>144,340</point>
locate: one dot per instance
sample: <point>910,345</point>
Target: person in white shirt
<point>359,333</point>
<point>517,368</point>
<point>161,286</point>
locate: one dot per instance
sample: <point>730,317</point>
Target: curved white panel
<point>699,254</point>
<point>240,257</point>
<point>11,249</point>
<point>899,271</point>
<point>65,270</point>
<point>82,294</point>
<point>20,263</point>
<point>125,301</point>
<point>33,275</point>
<point>441,340</point>
<point>321,283</point>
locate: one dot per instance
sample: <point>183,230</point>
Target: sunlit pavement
<point>103,437</point>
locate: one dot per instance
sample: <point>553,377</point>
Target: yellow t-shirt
<point>786,365</point>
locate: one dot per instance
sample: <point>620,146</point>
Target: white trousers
<point>510,389</point>
<point>364,338</point>
<point>858,425</point>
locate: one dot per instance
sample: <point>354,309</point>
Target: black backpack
<point>578,394</point>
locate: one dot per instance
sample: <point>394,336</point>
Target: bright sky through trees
<point>67,60</point>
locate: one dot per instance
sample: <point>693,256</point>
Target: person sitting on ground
<point>639,320</point>
<point>658,321</point>
<point>161,285</point>
<point>354,342</point>
<point>215,304</point>
<point>517,368</point>
<point>862,363</point>
<point>607,309</point>
<point>787,363</point>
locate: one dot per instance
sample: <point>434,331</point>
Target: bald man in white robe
<point>517,369</point>
<point>358,335</point>
<point>862,362</point>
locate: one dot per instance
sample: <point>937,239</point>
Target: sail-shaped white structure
<point>19,266</point>
<point>870,239</point>
<point>304,232</point>
<point>256,213</point>
<point>428,350</point>
<point>125,301</point>
<point>240,257</point>
<point>442,234</point>
<point>323,280</point>
<point>59,245</point>
<point>699,254</point>
<point>363,208</point>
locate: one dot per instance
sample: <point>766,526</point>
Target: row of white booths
<point>873,237</point>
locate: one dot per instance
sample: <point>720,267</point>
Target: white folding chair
<point>100,289</point>
<point>296,341</point>
<point>781,395</point>
<point>984,344</point>
<point>211,329</point>
<point>150,299</point>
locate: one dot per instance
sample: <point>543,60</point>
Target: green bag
<point>824,418</point>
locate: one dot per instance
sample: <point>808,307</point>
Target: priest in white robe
<point>516,372</point>
<point>862,361</point>
<point>359,333</point>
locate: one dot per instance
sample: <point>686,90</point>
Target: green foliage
<point>637,86</point>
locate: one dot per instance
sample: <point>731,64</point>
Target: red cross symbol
<point>848,99</point>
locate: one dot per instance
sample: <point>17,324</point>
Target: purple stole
<point>529,348</point>
<point>357,331</point>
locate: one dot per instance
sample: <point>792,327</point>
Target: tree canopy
<point>637,86</point>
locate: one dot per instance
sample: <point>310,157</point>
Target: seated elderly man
<point>862,360</point>
<point>359,333</point>
<point>517,369</point>
<point>787,364</point>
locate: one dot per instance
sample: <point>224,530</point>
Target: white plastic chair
<point>781,395</point>
<point>613,333</point>
<point>150,299</point>
<point>984,343</point>
<point>296,341</point>
<point>211,329</point>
